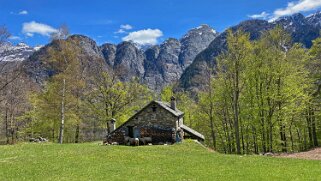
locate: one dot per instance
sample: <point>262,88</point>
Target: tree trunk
<point>107,120</point>
<point>242,135</point>
<point>13,140</point>
<point>228,135</point>
<point>53,133</point>
<point>62,124</point>
<point>213,134</point>
<point>314,133</point>
<point>94,132</point>
<point>77,134</point>
<point>255,146</point>
<point>263,135</point>
<point>283,138</point>
<point>299,138</point>
<point>305,139</point>
<point>308,118</point>
<point>236,109</point>
<point>271,136</point>
<point>7,126</point>
<point>291,137</point>
<point>212,126</point>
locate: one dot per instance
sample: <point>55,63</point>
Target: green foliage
<point>111,98</point>
<point>258,99</point>
<point>45,113</point>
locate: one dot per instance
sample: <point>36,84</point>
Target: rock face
<point>156,66</point>
<point>181,61</point>
<point>109,52</point>
<point>314,19</point>
<point>165,64</point>
<point>129,61</point>
<point>194,42</point>
<point>302,30</point>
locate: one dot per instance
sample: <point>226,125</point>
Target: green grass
<point>187,161</point>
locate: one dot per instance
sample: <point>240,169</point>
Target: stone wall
<point>153,121</point>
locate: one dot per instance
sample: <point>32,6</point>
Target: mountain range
<point>174,61</point>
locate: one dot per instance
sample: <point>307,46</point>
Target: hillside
<point>187,161</point>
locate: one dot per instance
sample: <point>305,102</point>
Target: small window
<point>154,108</point>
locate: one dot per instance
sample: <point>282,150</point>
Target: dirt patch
<point>314,154</point>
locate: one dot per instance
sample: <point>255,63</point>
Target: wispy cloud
<point>144,37</point>
<point>292,7</point>
<point>31,28</point>
<point>14,38</point>
<point>124,28</point>
<point>120,31</point>
<point>262,15</point>
<point>297,7</point>
<point>23,12</point>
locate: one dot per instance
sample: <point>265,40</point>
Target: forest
<point>260,96</point>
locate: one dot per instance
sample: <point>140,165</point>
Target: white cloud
<point>123,28</point>
<point>126,27</point>
<point>144,37</point>
<point>24,12</point>
<point>33,27</point>
<point>14,38</point>
<point>263,15</point>
<point>120,31</point>
<point>29,34</point>
<point>296,7</point>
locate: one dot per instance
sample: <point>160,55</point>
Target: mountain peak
<point>318,13</point>
<point>22,45</point>
<point>19,52</point>
<point>199,31</point>
<point>314,19</point>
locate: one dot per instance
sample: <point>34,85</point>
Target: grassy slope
<point>187,161</point>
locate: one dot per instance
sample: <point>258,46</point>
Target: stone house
<point>157,123</point>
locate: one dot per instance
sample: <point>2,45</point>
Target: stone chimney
<point>173,103</point>
<point>112,125</point>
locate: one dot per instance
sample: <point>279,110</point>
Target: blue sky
<point>144,21</point>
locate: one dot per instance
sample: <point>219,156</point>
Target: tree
<point>314,67</point>
<point>61,35</point>
<point>258,95</point>
<point>111,98</point>
<point>5,67</point>
<point>65,84</point>
<point>231,66</point>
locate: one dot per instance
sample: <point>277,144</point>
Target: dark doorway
<point>130,131</point>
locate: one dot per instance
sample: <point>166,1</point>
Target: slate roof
<point>191,131</point>
<point>167,106</point>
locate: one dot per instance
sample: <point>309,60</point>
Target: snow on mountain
<point>19,52</point>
